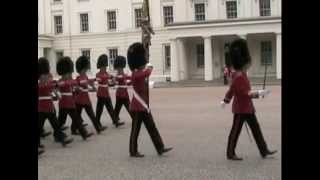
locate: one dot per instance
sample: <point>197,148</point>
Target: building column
<point>174,60</point>
<point>279,55</point>
<point>40,52</point>
<point>208,65</point>
<point>217,66</point>
<point>183,68</point>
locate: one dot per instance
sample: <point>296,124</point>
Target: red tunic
<point>122,80</point>
<point>138,83</point>
<point>82,96</point>
<point>239,89</point>
<point>103,79</point>
<point>66,87</point>
<point>45,102</point>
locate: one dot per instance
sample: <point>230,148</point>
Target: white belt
<point>66,94</point>
<point>122,86</point>
<point>140,100</point>
<point>103,85</point>
<point>83,89</point>
<point>45,98</point>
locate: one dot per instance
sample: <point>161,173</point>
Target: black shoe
<point>101,129</point>
<point>76,132</point>
<point>165,150</point>
<point>63,128</point>
<point>119,124</point>
<point>234,158</point>
<point>41,146</point>
<point>137,155</point>
<point>85,137</point>
<point>66,141</point>
<point>268,153</point>
<point>45,134</point>
<point>40,151</point>
<point>84,125</point>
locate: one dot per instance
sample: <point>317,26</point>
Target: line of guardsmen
<point>73,97</point>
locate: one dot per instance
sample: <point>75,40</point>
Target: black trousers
<point>108,104</point>
<point>51,116</point>
<point>75,117</point>
<point>90,113</point>
<point>238,121</point>
<point>119,103</point>
<point>148,121</point>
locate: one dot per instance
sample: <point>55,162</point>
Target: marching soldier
<point>67,105</point>
<point>46,108</point>
<point>122,82</point>
<point>104,80</point>
<point>141,112</point>
<point>242,107</point>
<point>82,95</point>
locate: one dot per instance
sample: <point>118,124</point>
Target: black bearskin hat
<point>43,66</point>
<point>102,61</point>
<point>119,62</point>
<point>136,56</point>
<point>239,54</point>
<point>82,63</point>
<point>64,66</point>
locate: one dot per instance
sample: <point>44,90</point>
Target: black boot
<point>40,151</point>
<point>45,134</point>
<point>269,153</point>
<point>84,133</point>
<point>164,150</point>
<point>119,124</point>
<point>137,155</point>
<point>234,158</point>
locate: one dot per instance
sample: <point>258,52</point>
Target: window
<point>167,14</point>
<point>167,57</point>
<point>84,23</point>
<point>86,52</point>
<point>58,24</point>
<point>113,53</point>
<point>266,53</point>
<point>138,16</point>
<point>200,56</point>
<point>231,9</point>
<point>265,9</point>
<point>199,12</point>
<point>56,1</point>
<point>112,20</point>
<point>59,54</point>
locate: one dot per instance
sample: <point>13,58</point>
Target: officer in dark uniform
<point>242,107</point>
<point>139,105</point>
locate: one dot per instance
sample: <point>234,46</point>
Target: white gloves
<point>149,65</point>
<point>263,93</point>
<point>222,104</point>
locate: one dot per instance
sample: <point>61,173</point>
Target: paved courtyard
<point>191,121</point>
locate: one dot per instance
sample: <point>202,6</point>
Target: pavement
<point>191,121</point>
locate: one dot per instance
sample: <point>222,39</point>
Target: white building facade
<point>191,36</point>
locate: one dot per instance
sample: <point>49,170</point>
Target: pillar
<point>208,64</point>
<point>279,55</point>
<point>174,61</point>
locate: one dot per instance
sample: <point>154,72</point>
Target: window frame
<point>137,19</point>
<point>166,57</point>
<point>263,10</point>
<point>266,53</point>
<point>115,21</point>
<point>111,60</point>
<point>55,27</point>
<point>88,22</point>
<point>165,18</point>
<point>196,14</point>
<point>234,13</point>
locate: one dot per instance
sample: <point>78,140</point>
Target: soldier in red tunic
<point>82,94</point>
<point>104,80</point>
<point>139,104</point>
<point>46,108</point>
<point>242,107</point>
<point>67,105</point>
<point>122,82</point>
